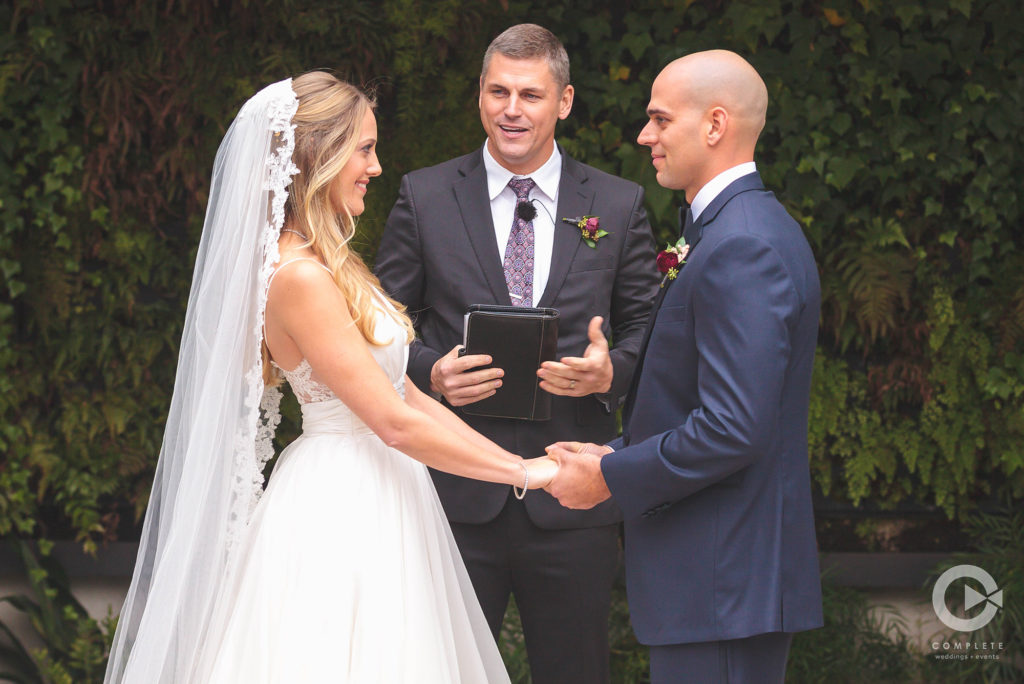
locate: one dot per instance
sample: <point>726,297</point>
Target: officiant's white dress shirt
<point>503,206</point>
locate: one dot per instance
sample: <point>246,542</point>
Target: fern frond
<point>879,284</point>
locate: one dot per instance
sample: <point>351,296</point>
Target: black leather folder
<point>518,339</point>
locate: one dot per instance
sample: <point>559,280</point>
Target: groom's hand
<point>576,376</point>
<point>579,482</point>
<point>452,377</point>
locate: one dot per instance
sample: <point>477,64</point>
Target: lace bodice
<point>392,358</point>
<point>306,389</point>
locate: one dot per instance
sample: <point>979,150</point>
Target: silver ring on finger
<point>572,384</point>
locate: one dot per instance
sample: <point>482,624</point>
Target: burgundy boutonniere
<point>589,227</point>
<point>671,259</point>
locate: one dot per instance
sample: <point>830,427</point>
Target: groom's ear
<point>717,125</point>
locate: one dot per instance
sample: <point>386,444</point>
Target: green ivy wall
<point>893,135</point>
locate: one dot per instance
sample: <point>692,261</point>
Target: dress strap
<point>277,270</point>
<point>292,261</point>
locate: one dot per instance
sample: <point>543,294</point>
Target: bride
<point>344,569</point>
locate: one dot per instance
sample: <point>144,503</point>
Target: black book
<point>518,340</point>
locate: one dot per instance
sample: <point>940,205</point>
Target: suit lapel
<point>752,181</point>
<point>475,207</point>
<point>574,199</point>
<point>694,234</point>
<point>627,408</point>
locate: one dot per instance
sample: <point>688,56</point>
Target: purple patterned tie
<point>519,250</point>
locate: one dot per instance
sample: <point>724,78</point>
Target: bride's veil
<point>216,442</point>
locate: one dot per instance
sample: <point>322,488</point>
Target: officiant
<point>519,222</point>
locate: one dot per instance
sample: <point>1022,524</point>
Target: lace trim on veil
<point>254,441</point>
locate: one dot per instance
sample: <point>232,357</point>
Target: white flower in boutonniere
<point>671,259</point>
<point>589,228</point>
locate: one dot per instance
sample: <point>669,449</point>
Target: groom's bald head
<point>719,78</point>
<point>706,113</point>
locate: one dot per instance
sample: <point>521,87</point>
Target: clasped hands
<point>571,472</point>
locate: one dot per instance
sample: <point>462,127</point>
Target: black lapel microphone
<point>526,211</point>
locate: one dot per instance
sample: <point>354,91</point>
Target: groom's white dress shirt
<point>503,206</point>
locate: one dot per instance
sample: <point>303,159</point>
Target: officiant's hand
<point>449,376</point>
<point>579,482</point>
<point>576,376</point>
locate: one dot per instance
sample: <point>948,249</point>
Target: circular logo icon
<point>992,598</point>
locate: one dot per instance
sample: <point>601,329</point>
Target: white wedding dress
<point>348,571</point>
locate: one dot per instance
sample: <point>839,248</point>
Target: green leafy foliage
<point>76,646</point>
<point>892,137</point>
<point>999,550</point>
<point>859,644</point>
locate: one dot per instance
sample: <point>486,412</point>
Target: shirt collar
<point>546,177</point>
<point>710,191</point>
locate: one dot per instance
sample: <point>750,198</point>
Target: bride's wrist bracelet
<point>526,482</point>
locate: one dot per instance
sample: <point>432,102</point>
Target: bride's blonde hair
<point>328,122</point>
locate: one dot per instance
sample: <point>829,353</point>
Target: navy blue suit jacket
<point>711,472</point>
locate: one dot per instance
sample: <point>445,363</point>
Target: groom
<point>711,470</point>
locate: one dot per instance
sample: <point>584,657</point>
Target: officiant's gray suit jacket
<point>439,254</point>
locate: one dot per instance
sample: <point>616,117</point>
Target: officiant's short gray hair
<point>530,41</point>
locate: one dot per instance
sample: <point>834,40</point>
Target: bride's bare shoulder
<point>304,274</point>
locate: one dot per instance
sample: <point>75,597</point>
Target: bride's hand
<point>542,471</point>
